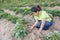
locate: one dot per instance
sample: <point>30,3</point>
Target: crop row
<point>19,30</point>
<point>28,11</point>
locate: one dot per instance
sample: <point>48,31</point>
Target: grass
<point>19,3</point>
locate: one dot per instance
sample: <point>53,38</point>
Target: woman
<point>42,19</point>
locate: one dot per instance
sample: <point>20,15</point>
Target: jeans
<point>46,25</point>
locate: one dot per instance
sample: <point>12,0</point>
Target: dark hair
<point>36,8</point>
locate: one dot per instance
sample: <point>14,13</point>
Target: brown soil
<point>6,28</point>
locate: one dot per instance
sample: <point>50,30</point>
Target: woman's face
<point>35,13</point>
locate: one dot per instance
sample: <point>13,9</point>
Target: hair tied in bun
<point>38,7</point>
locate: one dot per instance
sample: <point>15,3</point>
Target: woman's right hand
<point>31,29</point>
<point>33,25</point>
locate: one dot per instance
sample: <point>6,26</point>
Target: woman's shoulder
<point>43,12</point>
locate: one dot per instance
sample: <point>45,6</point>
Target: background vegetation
<point>19,3</point>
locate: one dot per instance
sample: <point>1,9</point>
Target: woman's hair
<point>36,8</point>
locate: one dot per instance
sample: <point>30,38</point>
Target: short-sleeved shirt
<point>43,15</point>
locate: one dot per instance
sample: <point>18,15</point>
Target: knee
<point>45,28</point>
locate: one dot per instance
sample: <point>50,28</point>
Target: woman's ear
<point>37,11</point>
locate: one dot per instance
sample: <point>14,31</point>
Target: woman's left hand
<point>38,32</point>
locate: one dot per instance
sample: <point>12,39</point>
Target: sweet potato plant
<point>55,35</point>
<point>19,29</point>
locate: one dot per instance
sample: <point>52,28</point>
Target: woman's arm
<point>42,25</point>
<point>34,24</point>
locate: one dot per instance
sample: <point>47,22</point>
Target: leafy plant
<point>19,30</point>
<point>54,12</point>
<point>1,15</point>
<point>44,4</point>
<point>23,11</point>
<point>58,3</point>
<point>9,17</point>
<point>55,35</point>
<point>12,18</point>
<point>26,11</point>
<point>52,4</point>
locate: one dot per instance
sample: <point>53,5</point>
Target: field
<point>16,19</point>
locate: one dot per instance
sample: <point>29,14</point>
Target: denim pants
<point>46,25</point>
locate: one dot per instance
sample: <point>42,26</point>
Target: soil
<point>6,28</point>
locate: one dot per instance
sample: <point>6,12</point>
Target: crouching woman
<point>42,19</point>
